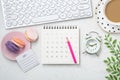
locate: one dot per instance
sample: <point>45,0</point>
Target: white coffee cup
<point>105,16</point>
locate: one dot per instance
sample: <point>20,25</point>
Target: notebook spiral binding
<point>60,27</point>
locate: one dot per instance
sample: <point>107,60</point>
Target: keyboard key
<point>5,1</point>
<point>84,1</point>
<point>20,22</point>
<point>69,15</point>
<point>20,16</point>
<point>62,9</point>
<point>82,7</point>
<point>14,23</point>
<point>27,21</point>
<point>75,1</point>
<point>13,16</point>
<point>64,3</point>
<point>44,1</point>
<point>75,13</point>
<point>74,8</point>
<point>70,2</point>
<point>88,13</point>
<point>8,23</point>
<point>63,16</point>
<point>46,18</point>
<point>82,13</point>
<point>68,8</point>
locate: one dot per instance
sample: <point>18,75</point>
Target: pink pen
<point>71,50</point>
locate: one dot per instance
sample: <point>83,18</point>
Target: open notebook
<point>55,46</point>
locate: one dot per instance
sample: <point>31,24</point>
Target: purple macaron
<point>12,47</point>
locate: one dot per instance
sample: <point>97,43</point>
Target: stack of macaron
<point>15,44</point>
<point>31,34</point>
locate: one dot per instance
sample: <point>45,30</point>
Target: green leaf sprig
<point>113,62</point>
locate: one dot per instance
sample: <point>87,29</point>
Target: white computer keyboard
<point>18,13</point>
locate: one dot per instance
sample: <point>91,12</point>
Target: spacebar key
<point>45,18</point>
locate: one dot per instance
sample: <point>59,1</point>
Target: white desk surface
<point>90,68</point>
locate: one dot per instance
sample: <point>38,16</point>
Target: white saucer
<point>103,21</point>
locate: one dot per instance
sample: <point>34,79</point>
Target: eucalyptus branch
<point>111,45</point>
<point>113,62</point>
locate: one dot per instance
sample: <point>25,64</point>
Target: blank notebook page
<point>54,46</point>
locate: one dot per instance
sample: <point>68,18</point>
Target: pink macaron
<point>20,43</point>
<point>31,34</point>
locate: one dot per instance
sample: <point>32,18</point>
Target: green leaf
<point>118,69</point>
<point>110,67</point>
<point>117,51</point>
<point>113,59</point>
<point>108,35</point>
<point>106,43</point>
<point>108,70</point>
<point>118,74</point>
<point>110,39</point>
<point>105,61</point>
<point>118,46</point>
<point>114,72</point>
<point>115,77</point>
<point>111,77</point>
<point>107,77</point>
<point>112,51</point>
<point>108,46</point>
<point>114,67</point>
<point>108,59</point>
<point>114,42</point>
